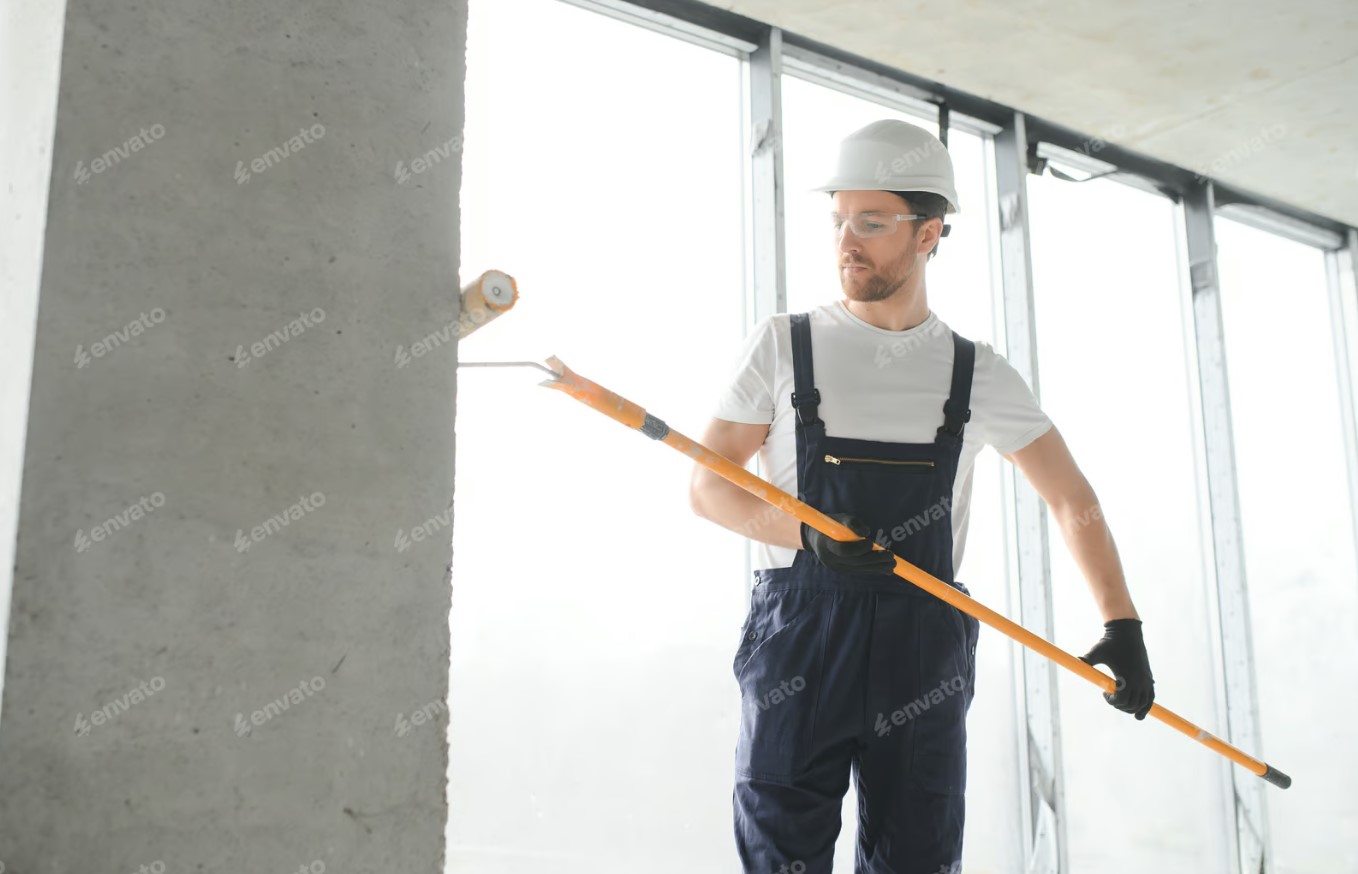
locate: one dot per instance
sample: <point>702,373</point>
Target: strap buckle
<point>801,402</point>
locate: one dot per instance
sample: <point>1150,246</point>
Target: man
<point>841,665</point>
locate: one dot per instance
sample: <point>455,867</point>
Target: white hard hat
<point>892,155</point>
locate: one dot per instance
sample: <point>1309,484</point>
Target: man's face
<point>875,268</point>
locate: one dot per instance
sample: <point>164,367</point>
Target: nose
<point>846,241</point>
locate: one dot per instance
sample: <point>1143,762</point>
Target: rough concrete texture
<point>247,686</point>
<point>30,62</point>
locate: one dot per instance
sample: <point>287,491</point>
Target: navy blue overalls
<point>861,671</point>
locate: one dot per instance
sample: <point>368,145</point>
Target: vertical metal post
<point>1043,802</point>
<point>766,264</point>
<point>1341,269</point>
<point>1232,604</point>
<point>768,275</point>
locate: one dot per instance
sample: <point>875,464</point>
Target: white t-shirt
<point>876,385</point>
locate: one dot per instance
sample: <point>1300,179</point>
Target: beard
<point>878,285</point>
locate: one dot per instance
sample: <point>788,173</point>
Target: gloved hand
<point>1124,652</point>
<point>851,556</point>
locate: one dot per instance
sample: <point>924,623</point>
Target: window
<point>1298,537</point>
<point>1114,377</point>
<point>593,710</point>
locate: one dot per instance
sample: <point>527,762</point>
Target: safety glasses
<point>869,224</point>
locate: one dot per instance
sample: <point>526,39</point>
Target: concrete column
<point>214,636</point>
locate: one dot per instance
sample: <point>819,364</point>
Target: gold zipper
<point>833,460</point>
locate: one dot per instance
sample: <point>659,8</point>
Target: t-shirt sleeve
<point>1005,413</point>
<point>747,395</point>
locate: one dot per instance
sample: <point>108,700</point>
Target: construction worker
<point>841,666</point>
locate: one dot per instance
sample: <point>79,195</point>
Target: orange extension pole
<point>633,416</point>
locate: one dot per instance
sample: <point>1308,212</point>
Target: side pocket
<point>778,669</point>
<point>938,759</point>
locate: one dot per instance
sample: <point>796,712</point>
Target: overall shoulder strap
<point>805,395</point>
<point>957,409</point>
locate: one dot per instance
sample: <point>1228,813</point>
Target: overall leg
<point>911,767</point>
<point>800,675</point>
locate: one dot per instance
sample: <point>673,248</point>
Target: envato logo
<point>951,868</point>
<point>132,514</point>
<point>304,690</point>
<point>781,692</point>
<point>279,521</point>
<point>1085,518</point>
<point>1247,149</point>
<point>1099,143</point>
<point>156,867</point>
<point>905,160</point>
<point>429,159</point>
<point>932,513</point>
<point>428,527</point>
<point>904,346</point>
<point>466,322</point>
<point>113,156</point>
<point>945,690</point>
<point>316,867</point>
<point>418,718</point>
<point>279,337</point>
<point>305,137</point>
<point>118,705</point>
<point>134,328</point>
<point>798,867</point>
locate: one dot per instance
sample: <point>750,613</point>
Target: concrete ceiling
<point>1262,96</point>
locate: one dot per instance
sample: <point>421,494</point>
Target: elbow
<point>696,496</point>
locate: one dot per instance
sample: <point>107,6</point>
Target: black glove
<point>851,556</point>
<point>1124,652</point>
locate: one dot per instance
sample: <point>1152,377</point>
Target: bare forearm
<point>1091,545</point>
<point>737,510</point>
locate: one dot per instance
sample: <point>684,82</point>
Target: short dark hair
<point>927,204</point>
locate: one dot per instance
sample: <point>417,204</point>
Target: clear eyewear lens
<point>865,226</point>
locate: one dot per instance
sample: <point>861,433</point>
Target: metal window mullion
<point>1228,579</point>
<point>764,148</point>
<point>764,251</point>
<point>1041,781</point>
<point>1341,269</point>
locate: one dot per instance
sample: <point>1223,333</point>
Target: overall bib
<point>859,671</point>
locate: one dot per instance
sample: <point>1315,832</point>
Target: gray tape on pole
<point>1276,777</point>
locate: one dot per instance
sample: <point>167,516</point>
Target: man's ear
<point>930,232</point>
